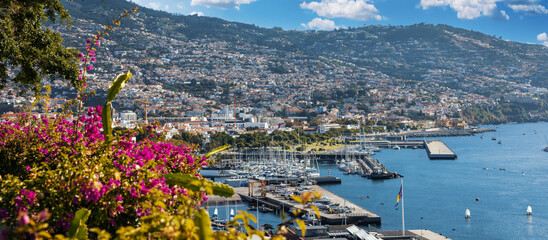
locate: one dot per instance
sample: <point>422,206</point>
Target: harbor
<point>424,176</point>
<point>334,210</point>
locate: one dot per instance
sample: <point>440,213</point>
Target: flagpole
<point>402,211</point>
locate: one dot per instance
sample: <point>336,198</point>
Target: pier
<point>358,215</point>
<point>413,144</point>
<point>320,157</point>
<point>438,150</point>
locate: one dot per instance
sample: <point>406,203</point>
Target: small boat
<point>529,211</point>
<point>500,142</point>
<point>396,147</point>
<point>493,138</point>
<point>481,136</point>
<point>545,149</point>
<point>232,214</point>
<point>215,213</point>
<point>467,214</point>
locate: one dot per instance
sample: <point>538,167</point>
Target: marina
<point>438,178</point>
<point>334,210</point>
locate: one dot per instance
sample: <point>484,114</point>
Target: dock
<point>419,234</point>
<point>279,203</point>
<point>438,150</point>
<point>412,144</point>
<point>315,180</point>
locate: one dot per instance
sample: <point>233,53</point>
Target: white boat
<point>231,213</point>
<point>467,214</point>
<point>546,148</point>
<point>215,213</point>
<point>396,147</point>
<point>529,211</point>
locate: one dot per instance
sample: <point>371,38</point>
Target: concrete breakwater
<point>447,133</point>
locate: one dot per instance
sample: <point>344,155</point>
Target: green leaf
<point>302,225</point>
<point>106,119</point>
<point>216,150</point>
<point>78,228</point>
<point>117,85</point>
<point>195,184</point>
<point>179,179</point>
<point>223,190</point>
<point>201,220</point>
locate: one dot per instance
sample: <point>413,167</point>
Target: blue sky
<point>516,20</point>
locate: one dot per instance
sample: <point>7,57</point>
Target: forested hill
<point>452,56</point>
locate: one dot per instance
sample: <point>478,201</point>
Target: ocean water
<point>437,192</point>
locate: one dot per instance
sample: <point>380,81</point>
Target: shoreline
<point>446,133</point>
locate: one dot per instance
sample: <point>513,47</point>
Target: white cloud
<point>466,9</point>
<point>425,4</point>
<point>471,9</point>
<point>166,7</point>
<point>155,5</point>
<point>543,38</point>
<point>199,14</point>
<point>501,16</point>
<point>352,9</point>
<point>534,9</point>
<point>320,24</point>
<point>221,3</point>
<point>180,5</point>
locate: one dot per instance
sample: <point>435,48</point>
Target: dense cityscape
<point>202,84</point>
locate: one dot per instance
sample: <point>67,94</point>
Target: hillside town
<point>206,85</point>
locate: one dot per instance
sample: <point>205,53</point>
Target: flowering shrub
<point>57,165</point>
<point>70,179</point>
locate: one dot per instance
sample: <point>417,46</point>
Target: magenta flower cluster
<point>68,163</point>
<point>90,55</point>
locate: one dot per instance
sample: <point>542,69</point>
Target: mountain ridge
<point>398,51</point>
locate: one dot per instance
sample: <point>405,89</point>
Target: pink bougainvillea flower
<point>88,41</point>
<point>89,67</point>
<point>93,59</point>
<point>80,55</point>
<point>24,219</point>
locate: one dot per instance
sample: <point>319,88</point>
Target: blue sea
<point>506,178</point>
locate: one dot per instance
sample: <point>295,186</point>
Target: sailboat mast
<point>402,210</point>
